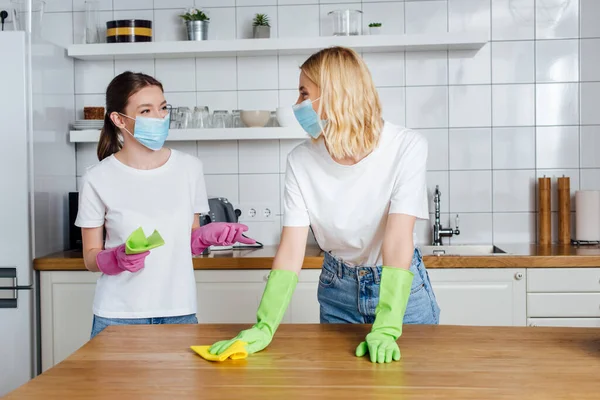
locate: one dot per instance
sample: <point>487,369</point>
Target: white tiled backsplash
<point>524,106</point>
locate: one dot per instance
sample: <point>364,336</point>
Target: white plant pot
<point>375,30</point>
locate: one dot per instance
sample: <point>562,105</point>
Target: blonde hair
<point>349,99</point>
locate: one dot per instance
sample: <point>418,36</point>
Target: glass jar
<point>220,119</point>
<point>91,33</point>
<point>345,22</point>
<point>236,119</point>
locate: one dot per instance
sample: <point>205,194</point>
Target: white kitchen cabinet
<point>66,299</point>
<point>485,297</point>
<point>563,296</point>
<point>565,322</point>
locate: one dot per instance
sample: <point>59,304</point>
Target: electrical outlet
<point>257,212</point>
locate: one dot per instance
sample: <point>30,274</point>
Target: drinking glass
<point>91,33</point>
<point>236,119</point>
<point>220,119</point>
<point>201,117</point>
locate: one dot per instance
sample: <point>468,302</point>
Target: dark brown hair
<point>118,92</point>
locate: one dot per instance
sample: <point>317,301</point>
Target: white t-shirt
<point>347,206</point>
<point>122,199</point>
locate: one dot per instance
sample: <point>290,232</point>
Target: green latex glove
<point>389,314</point>
<point>138,243</point>
<point>275,300</point>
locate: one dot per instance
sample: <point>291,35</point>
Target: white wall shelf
<point>184,135</point>
<point>284,46</point>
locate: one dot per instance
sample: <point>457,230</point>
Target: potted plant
<point>375,28</point>
<point>261,27</point>
<point>196,22</point>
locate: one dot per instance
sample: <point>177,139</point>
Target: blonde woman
<point>360,184</point>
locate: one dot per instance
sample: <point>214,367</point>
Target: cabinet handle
<point>519,276</point>
<point>532,324</point>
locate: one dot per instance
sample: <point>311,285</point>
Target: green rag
<point>138,243</point>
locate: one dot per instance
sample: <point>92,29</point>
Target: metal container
<point>128,31</point>
<point>197,30</point>
<point>346,22</point>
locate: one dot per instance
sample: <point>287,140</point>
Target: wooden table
<point>317,362</point>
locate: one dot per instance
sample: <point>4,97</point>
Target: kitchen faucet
<point>438,230</point>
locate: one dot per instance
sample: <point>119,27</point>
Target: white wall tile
<point>287,97</point>
<point>222,23</point>
<point>214,3</point>
<point>513,148</point>
<point>423,230</point>
<point>513,19</point>
<point>426,16</point>
<point>475,228</point>
<point>289,71</point>
<point>557,104</point>
<point>258,100</point>
<point>513,105</point>
<point>387,69</point>
<point>590,179</point>
<point>470,106</point>
<point>426,68</point>
<point>181,99</point>
<point>590,99</point>
<point>554,174</point>
<point>54,6</point>
<point>427,107</point>
<point>243,3</point>
<point>257,73</point>
<point>514,190</point>
<point>245,15</point>
<point>58,28</point>
<point>259,156</point>
<point>590,146</point>
<point>147,13</point>
<point>557,147</point>
<point>326,20</point>
<point>285,147</point>
<point>557,60</point>
<point>92,77</point>
<point>291,2</point>
<point>393,105</point>
<point>390,15</point>
<point>219,157</point>
<point>298,21</point>
<point>217,100</point>
<point>170,4</point>
<point>470,191</point>
<point>513,62</point>
<point>267,233</point>
<point>556,19</point>
<point>469,15</point>
<point>177,75</point>
<point>103,5</point>
<point>590,14</point>
<point>514,228</point>
<point>185,147</point>
<point>470,67</point>
<point>143,66</point>
<point>437,157</point>
<point>590,60</point>
<point>86,157</point>
<point>223,186</point>
<point>438,178</point>
<point>168,26</point>
<point>219,73</point>
<point>133,4</point>
<point>268,193</point>
<point>470,148</point>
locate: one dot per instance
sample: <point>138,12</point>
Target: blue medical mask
<point>308,118</point>
<point>150,132</point>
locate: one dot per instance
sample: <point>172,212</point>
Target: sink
<point>461,250</point>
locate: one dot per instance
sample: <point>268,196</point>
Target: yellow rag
<point>236,351</point>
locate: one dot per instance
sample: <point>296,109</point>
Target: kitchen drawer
<point>247,276</point>
<point>563,305</point>
<point>566,322</point>
<point>566,280</point>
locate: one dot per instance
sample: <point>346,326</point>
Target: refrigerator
<point>18,349</point>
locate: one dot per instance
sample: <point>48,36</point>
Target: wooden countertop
<point>519,256</point>
<point>317,362</point>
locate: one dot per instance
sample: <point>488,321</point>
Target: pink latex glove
<point>114,261</point>
<point>218,234</point>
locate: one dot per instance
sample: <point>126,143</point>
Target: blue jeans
<point>101,323</point>
<point>350,294</point>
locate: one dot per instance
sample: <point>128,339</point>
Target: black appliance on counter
<point>75,242</point>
